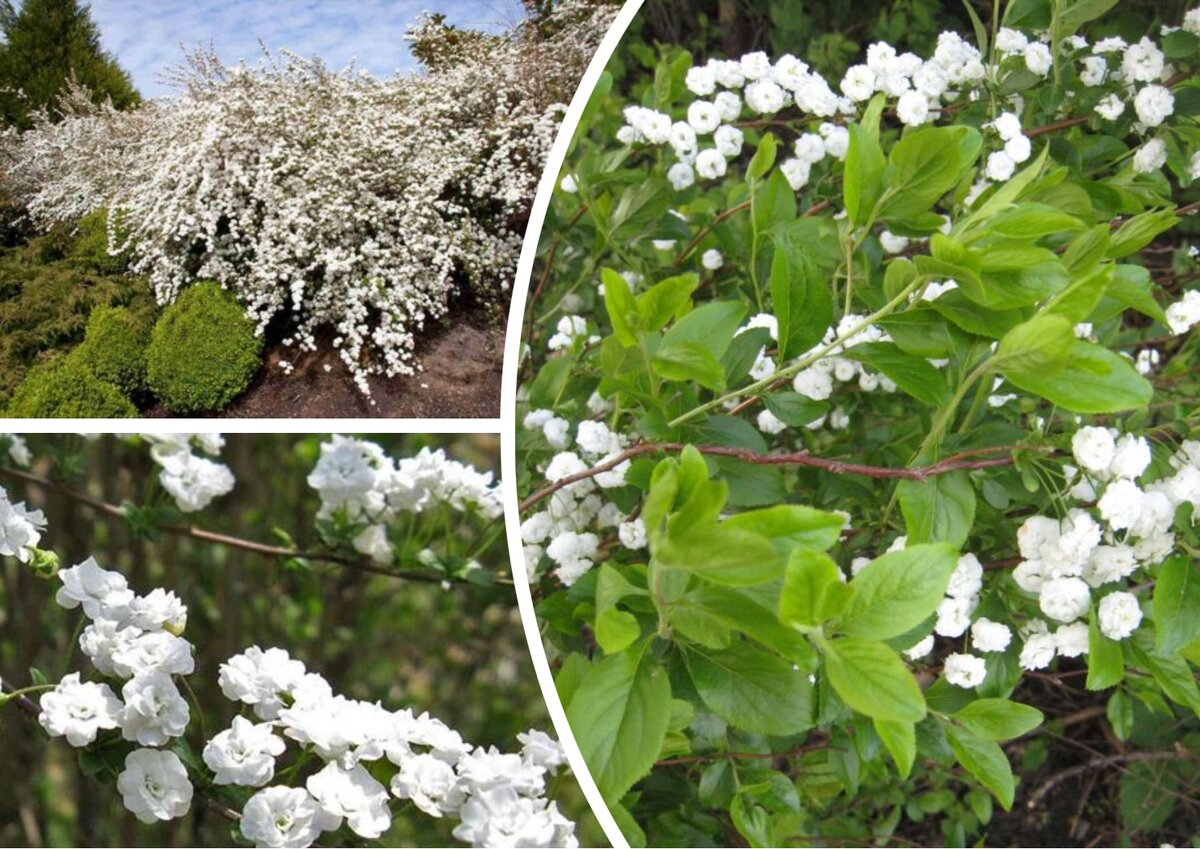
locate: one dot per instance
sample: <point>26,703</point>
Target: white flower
<point>1038,58</point>
<point>1095,69</point>
<point>483,769</point>
<point>1072,640</point>
<point>1154,104</point>
<point>1184,314</point>
<point>284,817</point>
<point>1109,563</point>
<point>965,670</point>
<point>1018,148</point>
<point>1000,166</point>
<point>756,65</point>
<point>430,783</point>
<point>796,172</point>
<point>967,578</point>
<point>103,593</point>
<point>373,542</point>
<point>681,176</point>
<point>542,750</point>
<point>859,83</point>
<point>568,184</point>
<point>1150,157</point>
<point>18,451</point>
<point>813,383</point>
<point>574,553</point>
<point>244,753</point>
<point>1011,41</point>
<point>1007,125</point>
<point>891,243</point>
<point>953,617</point>
<point>912,109</point>
<point>194,481</point>
<point>768,423</point>
<point>710,164</point>
<point>712,259</point>
<point>1131,457</point>
<point>158,609</point>
<point>1065,599</point>
<point>1143,62</point>
<point>154,785</point>
<point>20,529</point>
<point>259,678</point>
<point>501,817</point>
<point>729,108</point>
<point>1194,166</point>
<point>154,711</point>
<point>704,117</point>
<point>1119,615</point>
<point>837,140</point>
<point>102,639</point>
<point>921,649</point>
<point>1038,651</point>
<point>1093,448</point>
<point>154,651</point>
<point>729,141</point>
<point>764,97</point>
<point>1191,21</point>
<point>1122,504</point>
<point>78,711</point>
<point>354,795</point>
<point>633,534</point>
<point>1110,107</point>
<point>700,81</point>
<point>987,635</point>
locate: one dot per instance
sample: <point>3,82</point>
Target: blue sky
<point>145,35</point>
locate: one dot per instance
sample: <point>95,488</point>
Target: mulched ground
<point>461,365</point>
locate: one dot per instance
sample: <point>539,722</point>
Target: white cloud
<point>149,36</point>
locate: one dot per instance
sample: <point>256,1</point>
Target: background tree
<point>47,42</point>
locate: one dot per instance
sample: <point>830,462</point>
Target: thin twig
<point>119,512</point>
<point>797,458</point>
<point>1105,761</point>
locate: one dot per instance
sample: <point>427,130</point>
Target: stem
<point>757,387</point>
<point>195,704</point>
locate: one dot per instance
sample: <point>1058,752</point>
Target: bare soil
<point>459,377</point>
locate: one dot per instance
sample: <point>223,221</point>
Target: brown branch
<point>1105,761</point>
<point>798,458</point>
<point>1058,125</point>
<point>119,512</point>
<point>547,267</point>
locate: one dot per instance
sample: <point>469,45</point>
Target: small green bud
<point>45,564</point>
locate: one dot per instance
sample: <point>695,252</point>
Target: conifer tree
<point>45,43</point>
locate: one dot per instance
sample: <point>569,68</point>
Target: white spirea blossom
<point>712,259</point>
<point>965,670</point>
<point>431,783</point>
<point>284,817</point>
<point>102,593</point>
<point>1184,314</point>
<point>1154,104</point>
<point>412,185</point>
<point>79,710</point>
<point>1065,599</point>
<point>260,679</point>
<point>990,636</point>
<point>154,785</point>
<point>194,481</point>
<point>244,753</point>
<point>1119,615</point>
<point>502,817</point>
<point>353,795</point>
<point>1038,651</point>
<point>154,710</point>
<point>20,529</point>
<point>1150,157</point>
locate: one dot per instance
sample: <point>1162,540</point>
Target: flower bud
<point>44,563</point>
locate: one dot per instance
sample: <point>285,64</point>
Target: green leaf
<point>872,679</point>
<point>622,311</point>
<point>664,299</point>
<point>863,181</point>
<point>747,611</point>
<point>711,327</point>
<point>1075,15</point>
<point>926,164</point>
<point>1176,605</point>
<point>684,361</point>
<point>802,303</point>
<point>813,589</point>
<point>794,409</point>
<point>1041,345</point>
<point>898,591</point>
<point>616,630</point>
<point>619,714</point>
<point>1106,661</point>
<point>1030,222</point>
<point>764,158</point>
<point>999,719</point>
<point>1009,191</point>
<point>940,509</point>
<point>1172,674</point>
<point>757,692</point>
<point>985,760</point>
<point>1139,231</point>
<point>790,526</point>
<point>900,738</point>
<point>1094,380</point>
<point>724,556</point>
<point>912,374</point>
<point>639,209</point>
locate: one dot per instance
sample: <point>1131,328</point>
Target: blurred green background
<point>459,653</point>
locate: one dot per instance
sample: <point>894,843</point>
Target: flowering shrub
<point>328,202</point>
<point>298,759</point>
<point>853,409</point>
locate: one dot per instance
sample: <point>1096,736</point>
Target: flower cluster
<point>193,481</point>
<point>135,641</point>
<point>359,483</point>
<point>1109,76</point>
<point>356,206</point>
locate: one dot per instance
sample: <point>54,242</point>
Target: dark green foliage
<point>46,43</point>
<point>67,388</point>
<point>45,307</point>
<point>90,249</point>
<point>203,351</point>
<point>114,349</point>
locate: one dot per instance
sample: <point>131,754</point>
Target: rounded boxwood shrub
<point>114,348</point>
<point>66,388</point>
<point>203,351</point>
